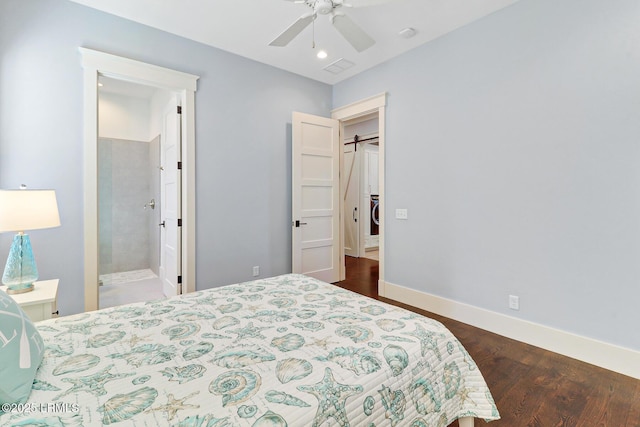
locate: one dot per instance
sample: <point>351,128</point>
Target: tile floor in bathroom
<point>129,287</point>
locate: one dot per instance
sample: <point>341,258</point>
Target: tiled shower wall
<point>124,186</point>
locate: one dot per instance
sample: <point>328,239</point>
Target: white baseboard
<point>609,356</point>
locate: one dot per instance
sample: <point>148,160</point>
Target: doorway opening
<point>361,217</point>
<point>361,187</point>
<point>129,196</point>
<point>365,118</point>
<point>99,64</point>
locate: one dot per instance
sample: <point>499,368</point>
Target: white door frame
<point>350,112</point>
<point>97,63</point>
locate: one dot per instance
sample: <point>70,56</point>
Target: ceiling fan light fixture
<point>323,7</point>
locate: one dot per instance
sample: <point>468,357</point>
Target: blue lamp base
<point>20,271</point>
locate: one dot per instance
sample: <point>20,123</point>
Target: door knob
<point>161,224</point>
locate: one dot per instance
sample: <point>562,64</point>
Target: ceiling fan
<point>349,30</point>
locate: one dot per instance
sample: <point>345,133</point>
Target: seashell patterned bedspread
<point>284,351</point>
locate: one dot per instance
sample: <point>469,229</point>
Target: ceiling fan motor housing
<point>323,7</point>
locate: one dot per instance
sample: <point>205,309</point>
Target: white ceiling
<point>245,27</point>
<point>125,88</point>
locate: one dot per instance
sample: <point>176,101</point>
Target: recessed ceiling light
<point>322,54</point>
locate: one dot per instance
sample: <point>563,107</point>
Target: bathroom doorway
<point>129,196</point>
<point>179,231</point>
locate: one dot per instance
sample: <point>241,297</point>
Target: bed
<point>283,351</point>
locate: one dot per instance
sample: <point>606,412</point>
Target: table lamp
<point>22,210</point>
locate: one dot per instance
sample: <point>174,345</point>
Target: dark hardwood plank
<point>532,387</point>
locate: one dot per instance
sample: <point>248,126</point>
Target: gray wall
<point>514,145</point>
<point>243,137</point>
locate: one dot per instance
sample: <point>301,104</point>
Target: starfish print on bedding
<point>250,331</point>
<point>463,394</point>
<point>93,384</point>
<point>80,328</point>
<point>332,397</point>
<point>335,302</point>
<point>135,339</point>
<point>324,342</point>
<point>174,405</point>
<point>428,340</point>
<point>253,308</point>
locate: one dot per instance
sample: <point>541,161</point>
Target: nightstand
<point>40,303</point>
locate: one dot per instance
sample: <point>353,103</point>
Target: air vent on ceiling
<point>336,67</point>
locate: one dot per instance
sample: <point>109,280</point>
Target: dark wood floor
<point>531,386</point>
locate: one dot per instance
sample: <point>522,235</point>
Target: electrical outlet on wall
<point>256,271</point>
<point>514,302</point>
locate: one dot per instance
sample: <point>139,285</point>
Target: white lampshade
<point>22,210</point>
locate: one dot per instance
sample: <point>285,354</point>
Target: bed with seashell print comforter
<point>283,351</point>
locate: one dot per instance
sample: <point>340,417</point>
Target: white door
<point>170,184</point>
<point>316,197</point>
<point>351,178</point>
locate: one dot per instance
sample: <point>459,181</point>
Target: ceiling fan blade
<point>355,35</point>
<point>295,29</point>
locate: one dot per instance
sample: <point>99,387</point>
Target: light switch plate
<point>401,214</point>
